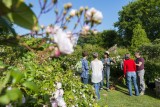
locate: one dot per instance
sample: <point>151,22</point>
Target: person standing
<point>106,63</point>
<point>140,72</point>
<point>97,68</point>
<point>85,68</point>
<point>130,73</point>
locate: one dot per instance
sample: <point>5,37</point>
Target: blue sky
<point>109,8</point>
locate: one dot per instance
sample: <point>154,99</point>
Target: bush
<point>35,80</point>
<point>151,53</point>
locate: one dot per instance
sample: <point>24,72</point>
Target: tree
<point>106,39</point>
<point>143,12</point>
<point>139,38</point>
<point>110,38</point>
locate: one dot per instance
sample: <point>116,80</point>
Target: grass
<point>120,98</point>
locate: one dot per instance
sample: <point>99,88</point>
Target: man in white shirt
<point>96,77</point>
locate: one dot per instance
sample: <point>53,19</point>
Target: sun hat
<point>107,52</point>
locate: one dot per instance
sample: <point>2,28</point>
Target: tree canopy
<point>143,12</point>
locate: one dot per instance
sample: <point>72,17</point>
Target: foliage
<point>110,38</point>
<point>143,12</point>
<point>151,53</point>
<point>105,39</point>
<point>35,80</point>
<point>6,27</point>
<point>18,12</point>
<point>139,38</point>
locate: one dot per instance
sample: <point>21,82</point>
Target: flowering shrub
<point>36,81</point>
<point>33,65</point>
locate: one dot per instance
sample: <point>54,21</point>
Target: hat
<point>106,52</point>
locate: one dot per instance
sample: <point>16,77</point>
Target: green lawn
<point>120,98</point>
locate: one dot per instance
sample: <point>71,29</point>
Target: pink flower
<point>57,52</point>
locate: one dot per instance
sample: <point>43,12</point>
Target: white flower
<point>90,12</point>
<point>94,14</point>
<point>95,32</point>
<point>61,102</point>
<point>74,91</point>
<point>59,85</point>
<point>98,16</point>
<point>83,96</point>
<point>52,29</point>
<point>63,42</point>
<point>81,8</point>
<point>42,26</point>
<point>49,29</point>
<point>61,92</point>
<point>56,94</point>
<point>73,12</point>
<point>9,88</point>
<point>69,34</point>
<point>86,28</point>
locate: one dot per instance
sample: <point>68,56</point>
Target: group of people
<point>132,69</point>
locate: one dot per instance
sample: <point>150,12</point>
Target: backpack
<point>78,66</point>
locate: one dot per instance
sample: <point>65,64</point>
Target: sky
<point>109,9</point>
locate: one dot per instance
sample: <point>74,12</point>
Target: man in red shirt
<point>130,73</point>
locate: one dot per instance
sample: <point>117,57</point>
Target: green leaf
<point>4,99</point>
<point>7,25</point>
<point>20,14</point>
<point>31,86</point>
<point>17,76</point>
<point>14,94</point>
<point>2,84</point>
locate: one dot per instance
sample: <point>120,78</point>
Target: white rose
<point>98,16</point>
<point>61,102</point>
<point>73,12</point>
<point>90,12</point>
<point>61,92</point>
<point>86,28</point>
<point>56,94</point>
<point>59,85</point>
<point>63,42</point>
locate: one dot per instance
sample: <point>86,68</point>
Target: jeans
<point>96,86</point>
<point>85,80</point>
<point>141,83</point>
<point>132,77</point>
<point>107,72</point>
<point>101,83</point>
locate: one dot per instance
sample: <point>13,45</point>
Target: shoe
<point>101,88</point>
<point>142,93</point>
